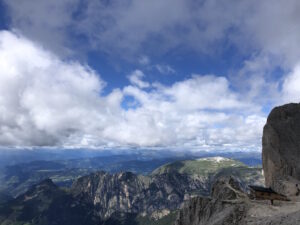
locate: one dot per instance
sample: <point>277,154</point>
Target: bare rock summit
<point>281,149</point>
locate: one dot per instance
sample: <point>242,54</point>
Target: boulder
<point>227,188</point>
<point>205,211</point>
<point>224,208</point>
<point>281,149</point>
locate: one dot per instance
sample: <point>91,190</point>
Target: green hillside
<point>202,166</point>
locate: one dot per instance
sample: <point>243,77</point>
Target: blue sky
<point>172,74</point>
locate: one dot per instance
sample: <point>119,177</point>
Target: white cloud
<point>48,101</point>
<point>29,17</point>
<point>142,26</point>
<point>255,80</point>
<point>136,77</point>
<point>198,113</point>
<point>204,92</point>
<point>45,101</point>
<point>274,28</point>
<point>144,60</point>
<point>165,69</point>
<point>291,86</point>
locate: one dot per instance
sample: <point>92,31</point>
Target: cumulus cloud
<point>46,101</point>
<point>43,99</point>
<point>204,92</point>
<point>165,69</point>
<point>266,33</point>
<point>255,80</point>
<point>139,27</point>
<point>273,28</point>
<point>291,86</point>
<point>51,30</point>
<point>136,77</point>
<point>184,115</point>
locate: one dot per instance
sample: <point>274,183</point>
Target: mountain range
<point>124,197</point>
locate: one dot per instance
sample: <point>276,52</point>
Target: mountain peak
<point>47,182</point>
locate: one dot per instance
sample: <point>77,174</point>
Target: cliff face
<point>129,193</point>
<point>223,208</point>
<point>230,206</point>
<point>281,149</point>
<point>126,192</point>
<point>203,211</point>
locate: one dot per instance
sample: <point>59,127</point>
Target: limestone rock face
<point>281,149</point>
<point>228,188</point>
<point>203,211</point>
<point>229,205</point>
<point>223,209</point>
<point>126,192</point>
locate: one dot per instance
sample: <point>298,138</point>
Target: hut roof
<point>262,189</point>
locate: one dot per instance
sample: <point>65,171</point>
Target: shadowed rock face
<point>202,211</point>
<point>228,188</point>
<point>222,209</point>
<point>130,193</point>
<point>281,149</point>
<point>229,205</point>
<point>46,204</point>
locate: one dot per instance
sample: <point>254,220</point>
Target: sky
<point>197,75</point>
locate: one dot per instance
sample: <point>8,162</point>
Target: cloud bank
<point>140,27</point>
<point>46,101</point>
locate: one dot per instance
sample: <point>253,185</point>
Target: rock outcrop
<point>126,192</point>
<point>224,208</point>
<point>228,188</point>
<point>281,149</point>
<point>230,206</point>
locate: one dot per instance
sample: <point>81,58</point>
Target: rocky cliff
<point>222,209</point>
<point>126,192</point>
<point>166,188</point>
<point>229,205</point>
<point>281,149</point>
